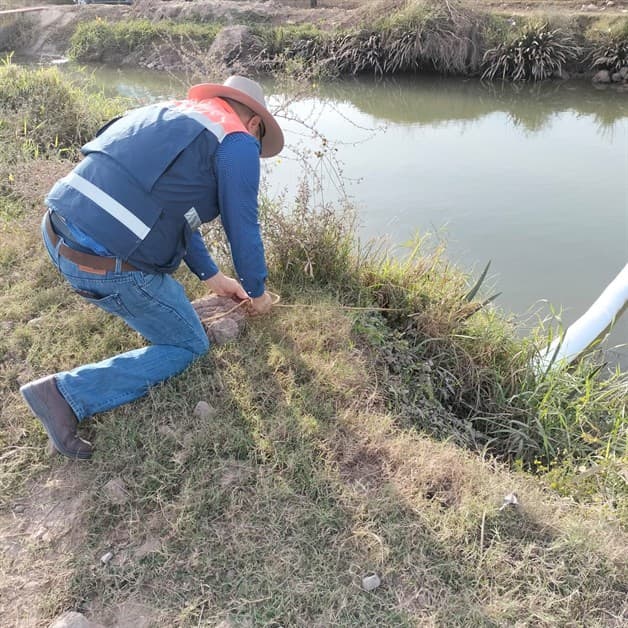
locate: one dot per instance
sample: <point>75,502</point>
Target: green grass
<point>44,114</point>
<point>342,442</point>
<point>99,40</point>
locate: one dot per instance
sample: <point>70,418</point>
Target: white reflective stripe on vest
<point>214,127</point>
<point>109,204</point>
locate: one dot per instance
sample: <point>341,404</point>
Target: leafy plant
<point>611,55</point>
<point>537,55</point>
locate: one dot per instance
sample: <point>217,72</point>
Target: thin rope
<point>336,307</point>
<point>215,317</point>
<point>277,298</point>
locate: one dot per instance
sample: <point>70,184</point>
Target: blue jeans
<point>157,307</point>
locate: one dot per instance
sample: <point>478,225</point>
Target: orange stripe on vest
<point>215,110</point>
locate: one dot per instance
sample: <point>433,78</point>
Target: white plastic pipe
<point>589,326</point>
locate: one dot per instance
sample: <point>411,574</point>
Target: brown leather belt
<point>89,263</point>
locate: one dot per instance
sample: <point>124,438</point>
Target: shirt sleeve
<point>198,259</point>
<point>237,175</point>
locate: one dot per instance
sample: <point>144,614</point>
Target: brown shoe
<point>49,406</point>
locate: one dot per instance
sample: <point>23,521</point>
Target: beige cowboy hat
<point>249,93</point>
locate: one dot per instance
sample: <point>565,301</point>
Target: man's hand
<point>224,286</point>
<point>260,305</point>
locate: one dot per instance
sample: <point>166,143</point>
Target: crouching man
<point>120,223</point>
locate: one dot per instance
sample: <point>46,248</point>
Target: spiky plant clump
<point>611,55</point>
<point>358,53</point>
<point>537,55</point>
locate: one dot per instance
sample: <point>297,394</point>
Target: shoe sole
<point>39,410</point>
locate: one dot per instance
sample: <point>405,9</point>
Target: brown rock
<point>223,330</point>
<point>71,619</point>
<point>603,76</point>
<point>116,491</point>
<point>234,43</point>
<point>203,410</point>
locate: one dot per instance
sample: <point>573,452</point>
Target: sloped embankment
<point>308,466</point>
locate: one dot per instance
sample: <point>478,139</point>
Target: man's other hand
<point>225,286</point>
<point>261,304</point>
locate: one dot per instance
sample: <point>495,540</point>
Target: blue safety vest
<point>110,195</point>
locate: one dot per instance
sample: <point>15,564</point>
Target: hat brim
<point>273,141</point>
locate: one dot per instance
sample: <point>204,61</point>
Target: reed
<point>455,365</point>
<point>446,38</point>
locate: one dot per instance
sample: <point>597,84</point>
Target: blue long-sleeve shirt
<point>236,171</point>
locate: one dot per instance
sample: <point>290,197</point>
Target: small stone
<point>116,491</point>
<point>39,533</point>
<point>71,619</point>
<point>616,77</point>
<point>624,72</point>
<point>203,410</point>
<point>19,508</point>
<point>105,558</point>
<point>371,582</point>
<point>223,330</point>
<point>603,76</point>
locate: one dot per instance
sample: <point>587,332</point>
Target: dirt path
<point>39,534</point>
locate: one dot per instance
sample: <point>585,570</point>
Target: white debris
<point>510,500</point>
<point>105,558</point>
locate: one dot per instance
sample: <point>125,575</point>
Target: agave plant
<point>536,56</point>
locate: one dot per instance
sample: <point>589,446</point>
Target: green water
<point>533,178</point>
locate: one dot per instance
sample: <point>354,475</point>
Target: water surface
<point>533,178</point>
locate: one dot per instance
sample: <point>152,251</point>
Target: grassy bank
<point>446,38</point>
<point>339,442</point>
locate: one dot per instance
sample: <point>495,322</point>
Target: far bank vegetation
<point>428,37</point>
<point>413,37</point>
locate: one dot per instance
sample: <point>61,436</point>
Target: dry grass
<point>271,510</point>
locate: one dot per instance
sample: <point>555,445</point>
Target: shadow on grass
<point>270,510</point>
